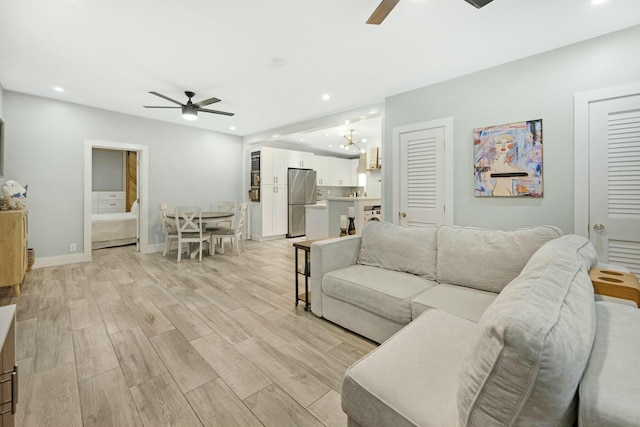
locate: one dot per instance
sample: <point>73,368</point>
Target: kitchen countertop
<point>353,199</point>
<point>317,206</point>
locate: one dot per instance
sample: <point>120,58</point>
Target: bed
<point>113,229</point>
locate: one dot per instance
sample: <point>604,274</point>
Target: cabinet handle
<point>14,390</point>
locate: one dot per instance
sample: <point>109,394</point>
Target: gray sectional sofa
<point>478,328</point>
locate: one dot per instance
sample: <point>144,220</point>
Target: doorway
<point>141,188</point>
<point>607,158</point>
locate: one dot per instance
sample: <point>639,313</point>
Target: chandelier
<point>351,142</point>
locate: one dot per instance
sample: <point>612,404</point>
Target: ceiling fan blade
<point>206,110</point>
<point>382,11</point>
<point>154,106</point>
<point>206,102</point>
<point>478,3</point>
<point>166,97</point>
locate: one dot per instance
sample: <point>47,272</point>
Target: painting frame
<point>508,160</point>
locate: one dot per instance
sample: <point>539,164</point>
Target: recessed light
<point>364,140</point>
<point>326,97</point>
<point>232,127</point>
<point>326,134</point>
<point>301,140</point>
<point>58,89</point>
<point>330,146</point>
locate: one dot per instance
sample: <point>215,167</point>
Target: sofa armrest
<point>609,385</point>
<point>613,267</point>
<point>330,255</point>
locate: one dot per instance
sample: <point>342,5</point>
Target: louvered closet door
<point>614,192</point>
<point>422,177</point>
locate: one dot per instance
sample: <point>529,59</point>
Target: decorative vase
<point>343,232</point>
<point>352,226</point>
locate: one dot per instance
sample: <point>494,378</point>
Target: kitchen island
<point>323,218</point>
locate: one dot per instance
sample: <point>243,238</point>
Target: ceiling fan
<point>190,109</point>
<point>351,142</point>
<point>385,7</point>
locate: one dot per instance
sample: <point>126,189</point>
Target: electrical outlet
<point>72,247</point>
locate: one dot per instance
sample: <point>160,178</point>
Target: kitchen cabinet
<point>273,166</point>
<point>13,248</point>
<point>274,209</point>
<point>322,166</point>
<point>9,373</point>
<point>340,172</point>
<point>299,160</point>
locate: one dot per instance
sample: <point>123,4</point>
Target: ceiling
<point>331,139</point>
<point>270,62</point>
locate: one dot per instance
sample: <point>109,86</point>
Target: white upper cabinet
<point>299,160</point>
<point>273,166</point>
<point>322,166</point>
<point>340,172</point>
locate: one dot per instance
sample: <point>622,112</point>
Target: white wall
<point>1,99</point>
<point>1,117</point>
<point>540,86</point>
<point>45,149</point>
<point>107,170</point>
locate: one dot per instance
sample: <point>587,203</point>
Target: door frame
<point>143,190</point>
<point>447,124</point>
<point>581,145</point>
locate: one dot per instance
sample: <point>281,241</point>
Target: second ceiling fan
<point>385,7</point>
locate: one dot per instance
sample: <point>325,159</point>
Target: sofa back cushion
<point>524,364</point>
<point>487,259</point>
<point>408,249</point>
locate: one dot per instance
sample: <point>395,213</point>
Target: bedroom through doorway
<point>116,194</point>
<point>114,198</point>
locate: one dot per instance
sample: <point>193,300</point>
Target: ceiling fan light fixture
<point>189,112</point>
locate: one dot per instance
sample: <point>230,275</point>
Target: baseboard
<point>61,260</point>
<point>258,238</point>
<point>158,247</point>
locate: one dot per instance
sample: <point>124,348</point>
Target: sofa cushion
<point>610,385</point>
<point>410,380</point>
<point>387,293</point>
<point>408,249</point>
<point>467,303</point>
<point>487,259</point>
<point>526,361</point>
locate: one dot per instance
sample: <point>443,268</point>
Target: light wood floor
<point>131,339</point>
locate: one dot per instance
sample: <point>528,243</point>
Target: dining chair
<point>234,233</point>
<point>189,225</point>
<point>223,222</point>
<point>169,227</point>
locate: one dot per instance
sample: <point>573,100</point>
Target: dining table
<point>208,215</point>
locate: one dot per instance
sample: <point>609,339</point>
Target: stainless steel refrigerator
<point>302,191</point>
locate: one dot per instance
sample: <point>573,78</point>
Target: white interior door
<point>422,177</point>
<point>614,180</point>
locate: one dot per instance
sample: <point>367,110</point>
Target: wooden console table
<point>615,284</point>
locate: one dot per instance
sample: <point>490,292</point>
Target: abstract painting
<point>508,160</point>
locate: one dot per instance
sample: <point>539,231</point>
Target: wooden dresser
<point>13,248</point>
